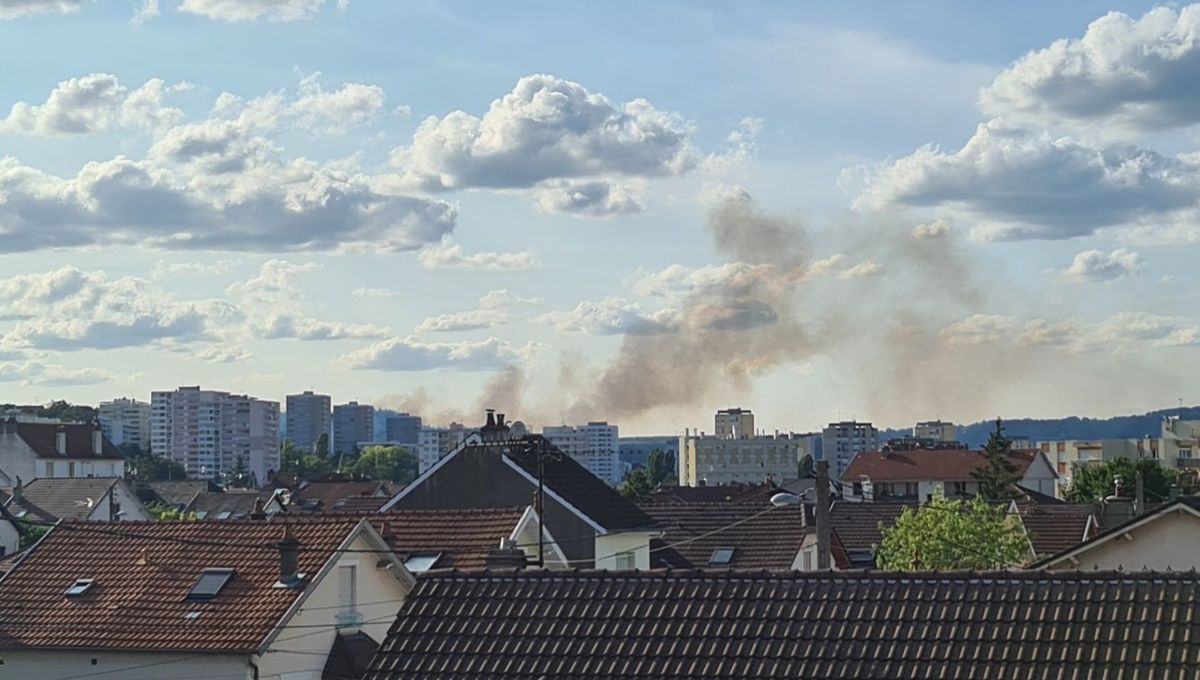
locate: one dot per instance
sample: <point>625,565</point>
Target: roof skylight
<point>210,583</point>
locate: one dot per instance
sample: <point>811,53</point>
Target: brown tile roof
<point>463,537</point>
<point>762,536</point>
<point>726,493</point>
<point>857,524</point>
<point>325,494</point>
<point>1054,528</point>
<point>920,626</point>
<point>143,572</point>
<point>62,497</point>
<point>911,466</point>
<point>41,437</point>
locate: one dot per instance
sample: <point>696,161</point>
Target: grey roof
<point>52,499</point>
<point>852,625</point>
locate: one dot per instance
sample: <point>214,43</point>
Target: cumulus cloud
<point>553,136</point>
<point>335,110</point>
<point>861,270</point>
<point>378,293</point>
<point>249,10</point>
<point>147,12</point>
<point>166,270</point>
<point>588,199</point>
<point>410,354</point>
<point>495,308</point>
<point>29,373</point>
<point>447,255</point>
<point>15,9</point>
<point>1123,332</point>
<point>1126,73</point>
<point>1022,184</point>
<point>610,316</point>
<point>935,229</point>
<point>1096,265</point>
<point>275,309</point>
<point>75,106</point>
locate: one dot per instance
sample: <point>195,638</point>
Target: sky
<point>632,212</point>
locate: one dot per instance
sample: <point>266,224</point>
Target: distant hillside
<point>1035,429</point>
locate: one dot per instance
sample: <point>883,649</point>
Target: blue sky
<point>570,211</point>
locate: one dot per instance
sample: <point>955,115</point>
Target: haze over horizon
<point>571,214</point>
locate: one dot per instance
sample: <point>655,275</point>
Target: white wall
<point>10,538</point>
<point>55,665</point>
<point>608,546</point>
<point>1168,542</point>
<point>378,595</point>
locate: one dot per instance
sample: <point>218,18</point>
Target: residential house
<point>31,451</point>
<point>332,494</point>
<point>856,531</point>
<point>1052,528</point>
<point>97,499</point>
<point>735,624</point>
<point>175,495</point>
<point>467,539</point>
<point>594,525</point>
<point>251,599</point>
<point>1165,538</point>
<point>727,535</point>
<point>918,475</point>
<point>233,504</point>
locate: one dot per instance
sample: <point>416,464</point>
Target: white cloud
<point>147,12</point>
<point>861,270</point>
<point>250,10</point>
<point>494,309</point>
<point>1020,184</point>
<point>410,354</point>
<point>546,129</point>
<point>30,373</point>
<point>447,255</point>
<point>365,292</point>
<point>167,270</point>
<point>610,316</point>
<point>1124,74</point>
<point>76,106</point>
<point>274,306</point>
<point>222,354</point>
<point>350,104</point>
<point>588,199</point>
<point>502,298</point>
<point>1123,332</point>
<point>15,9</point>
<point>1096,265</point>
<point>935,229</point>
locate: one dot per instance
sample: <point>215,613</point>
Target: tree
<point>386,463</point>
<point>806,467</point>
<point>239,477</point>
<point>163,513</point>
<point>322,446</point>
<point>131,450</point>
<point>1092,482</point>
<point>998,478</point>
<point>636,486</point>
<point>148,468</point>
<point>660,468</point>
<point>945,535</point>
<point>29,533</point>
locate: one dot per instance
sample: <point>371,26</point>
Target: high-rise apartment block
<point>593,446</point>
<point>308,417</point>
<point>352,423</point>
<point>845,440</point>
<point>936,430</point>
<point>737,455</point>
<point>126,422</point>
<point>212,433</point>
<point>403,428</point>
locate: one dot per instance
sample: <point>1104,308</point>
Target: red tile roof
<point>762,536</point>
<point>143,572</point>
<point>1054,528</point>
<point>42,437</point>
<point>917,626</point>
<point>463,537</point>
<point>326,494</point>
<point>913,466</point>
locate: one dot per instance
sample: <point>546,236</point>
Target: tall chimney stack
<point>824,530</point>
<point>60,440</point>
<point>289,558</point>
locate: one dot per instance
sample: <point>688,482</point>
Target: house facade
<point>1164,539</point>
<point>919,475</point>
<point>94,499</point>
<point>31,451</point>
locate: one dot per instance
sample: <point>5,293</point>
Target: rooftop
<point>795,625</point>
<point>42,438</point>
<point>947,465</point>
<point>760,535</point>
<point>51,499</point>
<point>1054,528</point>
<point>462,538</point>
<point>142,573</point>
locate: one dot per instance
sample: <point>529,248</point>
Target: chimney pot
<point>491,418</point>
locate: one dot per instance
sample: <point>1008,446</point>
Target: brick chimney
<point>289,559</point>
<point>60,440</point>
<point>507,556</point>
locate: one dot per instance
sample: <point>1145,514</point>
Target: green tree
<point>945,535</point>
<point>131,450</point>
<point>660,468</point>
<point>29,534</point>
<point>997,479</point>
<point>1091,482</point>
<point>239,477</point>
<point>636,486</point>
<point>386,463</point>
<point>162,513</point>
<point>322,446</point>
<point>806,467</point>
<point>149,468</point>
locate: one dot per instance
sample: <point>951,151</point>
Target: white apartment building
<point>126,421</point>
<point>208,432</point>
<point>737,455</point>
<point>593,446</point>
<point>845,440</point>
<point>1179,445</point>
<point>937,430</point>
<point>1066,454</point>
<point>308,417</point>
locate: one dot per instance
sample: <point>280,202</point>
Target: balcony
<point>1187,463</point>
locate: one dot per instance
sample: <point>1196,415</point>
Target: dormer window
<point>79,587</point>
<point>209,584</point>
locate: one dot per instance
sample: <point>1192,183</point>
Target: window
<point>958,489</point>
<point>71,469</point>
<point>910,488</point>
<point>721,557</point>
<point>79,587</point>
<point>49,468</point>
<point>348,596</point>
<point>420,562</point>
<point>1185,453</point>
<point>625,561</point>
<point>209,584</point>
